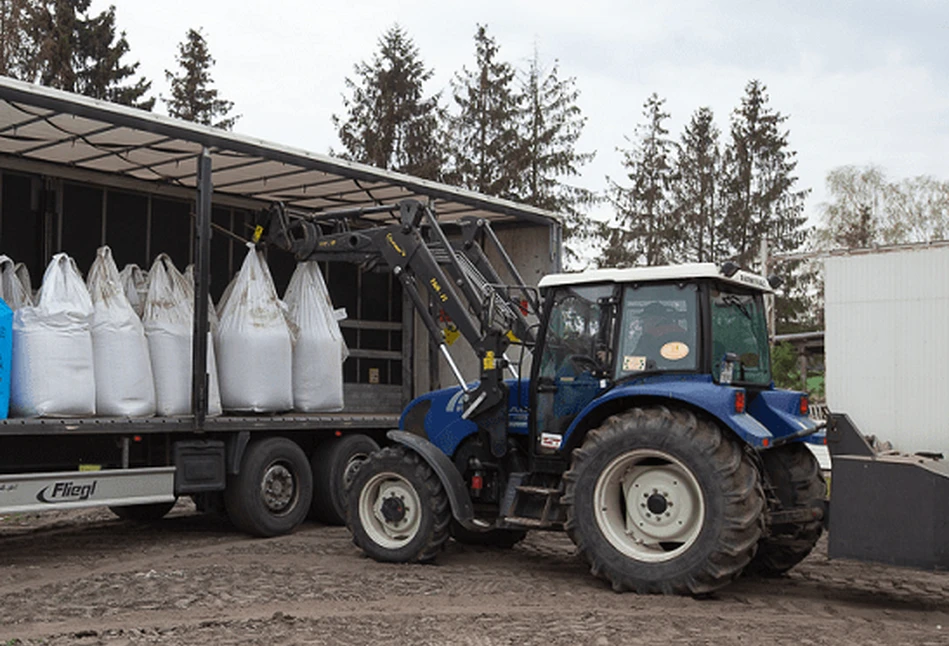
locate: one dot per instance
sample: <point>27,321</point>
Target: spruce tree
<point>485,145</point>
<point>73,51</point>
<point>192,97</point>
<point>760,181</point>
<point>390,123</point>
<point>14,46</point>
<point>644,230</point>
<point>551,126</point>
<point>697,192</point>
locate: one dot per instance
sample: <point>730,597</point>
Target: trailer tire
<point>796,479</point>
<point>146,513</point>
<point>398,510</point>
<point>334,463</point>
<point>271,494</point>
<point>500,538</point>
<point>663,501</point>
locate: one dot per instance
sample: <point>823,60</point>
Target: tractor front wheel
<point>661,501</point>
<point>398,510</point>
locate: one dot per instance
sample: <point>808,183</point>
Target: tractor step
<point>527,505</point>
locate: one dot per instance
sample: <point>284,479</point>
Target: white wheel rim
<point>390,510</point>
<point>649,505</point>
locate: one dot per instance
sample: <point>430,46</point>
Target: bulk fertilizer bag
<point>320,349</point>
<point>124,382</point>
<point>134,281</point>
<point>52,367</point>
<point>12,290</point>
<point>169,327</point>
<point>254,342</point>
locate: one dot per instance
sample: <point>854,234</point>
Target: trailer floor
<point>85,577</point>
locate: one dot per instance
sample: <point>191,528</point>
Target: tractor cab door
<point>576,360</point>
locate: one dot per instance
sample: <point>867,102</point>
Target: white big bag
<point>124,382</point>
<point>134,281</point>
<point>52,366</point>
<point>12,290</point>
<point>254,342</point>
<point>169,327</point>
<point>320,350</point>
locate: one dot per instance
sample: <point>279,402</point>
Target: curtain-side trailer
<point>78,173</point>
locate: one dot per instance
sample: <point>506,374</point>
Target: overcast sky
<point>860,82</point>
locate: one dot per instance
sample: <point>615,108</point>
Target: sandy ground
<point>85,577</point>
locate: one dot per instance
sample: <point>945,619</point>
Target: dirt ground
<point>85,577</point>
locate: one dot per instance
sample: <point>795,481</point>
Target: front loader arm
<point>403,248</point>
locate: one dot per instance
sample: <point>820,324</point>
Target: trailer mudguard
<point>461,507</point>
<point>696,391</point>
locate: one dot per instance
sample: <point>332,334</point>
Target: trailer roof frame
<point>64,134</point>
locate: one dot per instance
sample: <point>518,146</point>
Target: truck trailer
<point>78,173</point>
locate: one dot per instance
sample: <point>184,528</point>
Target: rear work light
<point>804,407</point>
<point>739,401</point>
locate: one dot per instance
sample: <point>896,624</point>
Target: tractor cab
<point>608,329</point>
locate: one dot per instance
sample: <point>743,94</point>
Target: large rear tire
<point>334,463</point>
<point>796,480</point>
<point>271,494</point>
<point>662,501</point>
<point>398,510</point>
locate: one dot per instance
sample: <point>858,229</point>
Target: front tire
<point>271,494</point>
<point>795,478</point>
<point>662,501</point>
<point>398,510</point>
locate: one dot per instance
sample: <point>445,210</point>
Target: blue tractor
<point>649,428</point>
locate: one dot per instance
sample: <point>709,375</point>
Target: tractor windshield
<point>658,330</point>
<point>739,328</point>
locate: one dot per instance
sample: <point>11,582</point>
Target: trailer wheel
<point>795,476</point>
<point>143,513</point>
<point>271,494</point>
<point>398,509</point>
<point>502,538</point>
<point>661,501</point>
<point>334,463</point>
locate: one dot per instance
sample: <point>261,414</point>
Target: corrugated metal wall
<point>887,345</point>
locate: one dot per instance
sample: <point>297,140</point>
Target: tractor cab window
<point>578,332</point>
<point>658,329</point>
<point>740,329</point>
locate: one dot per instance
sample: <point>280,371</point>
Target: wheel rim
<point>278,488</point>
<point>649,505</point>
<point>390,510</point>
<point>349,472</point>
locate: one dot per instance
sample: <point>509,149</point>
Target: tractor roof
<point>691,271</point>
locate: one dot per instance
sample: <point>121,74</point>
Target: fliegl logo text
<point>67,492</point>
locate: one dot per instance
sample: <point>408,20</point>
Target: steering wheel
<point>583,363</point>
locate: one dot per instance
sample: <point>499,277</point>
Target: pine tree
<point>73,51</point>
<point>697,192</point>
<point>644,229</point>
<point>552,125</point>
<point>486,148</point>
<point>760,183</point>
<point>390,124</point>
<point>192,97</point>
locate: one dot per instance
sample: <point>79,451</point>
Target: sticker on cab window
<point>633,363</point>
<point>674,350</point>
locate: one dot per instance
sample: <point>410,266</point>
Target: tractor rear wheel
<point>795,477</point>
<point>662,501</point>
<point>397,508</point>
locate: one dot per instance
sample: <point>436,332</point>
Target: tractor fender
<point>696,393</point>
<point>444,468</point>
